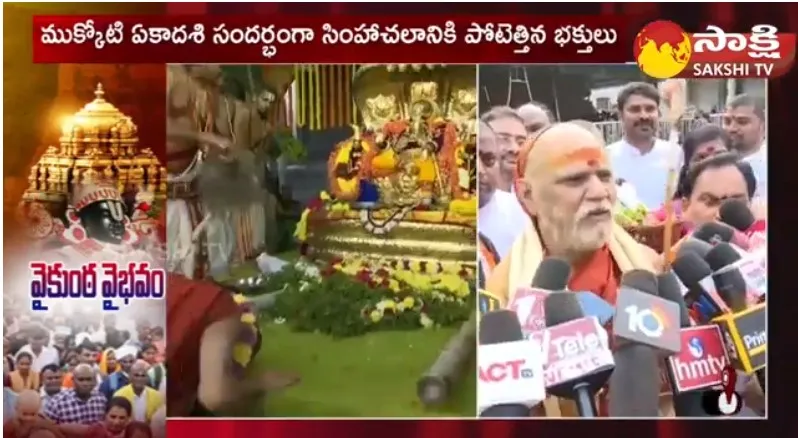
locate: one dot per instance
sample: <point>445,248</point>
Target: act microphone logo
<point>700,362</point>
<point>724,402</point>
<point>500,371</point>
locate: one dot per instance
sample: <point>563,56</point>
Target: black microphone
<point>729,281</point>
<point>527,301</point>
<point>510,368</point>
<point>685,404</point>
<point>634,386</point>
<point>696,275</point>
<point>572,336</point>
<point>714,233</point>
<point>693,245</point>
<point>552,274</point>
<point>736,213</point>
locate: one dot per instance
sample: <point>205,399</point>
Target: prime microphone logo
<point>724,402</point>
<point>701,360</point>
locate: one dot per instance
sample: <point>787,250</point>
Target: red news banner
<point>320,39</point>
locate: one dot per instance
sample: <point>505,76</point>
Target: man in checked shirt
<point>75,410</point>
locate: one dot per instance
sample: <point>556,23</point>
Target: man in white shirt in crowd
<point>641,158</point>
<point>510,133</point>
<point>746,124</point>
<point>535,116</point>
<point>501,218</point>
<point>37,347</point>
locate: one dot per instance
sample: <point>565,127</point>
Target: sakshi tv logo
<point>664,50</point>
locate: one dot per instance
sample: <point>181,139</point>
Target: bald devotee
<point>500,218</point>
<point>535,116</point>
<point>566,185</point>
<point>144,399</point>
<point>27,419</point>
<point>203,324</point>
<point>508,127</point>
<point>74,410</point>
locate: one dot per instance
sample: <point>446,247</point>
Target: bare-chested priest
<point>564,182</point>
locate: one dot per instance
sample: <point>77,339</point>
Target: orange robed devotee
<point>565,184</point>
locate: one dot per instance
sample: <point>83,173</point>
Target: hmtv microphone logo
<point>700,362</point>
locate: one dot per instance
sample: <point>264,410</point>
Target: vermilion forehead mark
<point>593,157</point>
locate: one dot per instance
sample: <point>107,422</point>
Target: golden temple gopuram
<point>99,141</point>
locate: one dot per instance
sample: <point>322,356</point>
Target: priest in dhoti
<point>565,184</point>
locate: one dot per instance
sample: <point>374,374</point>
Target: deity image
<point>94,197</point>
<point>410,162</point>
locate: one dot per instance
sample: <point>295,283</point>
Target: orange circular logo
<point>662,49</point>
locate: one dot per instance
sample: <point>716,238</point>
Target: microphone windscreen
<point>732,289</point>
<point>561,307</point>
<point>736,213</point>
<point>691,269</point>
<point>714,233</point>
<point>671,290</point>
<point>634,386</point>
<point>694,246</point>
<point>722,255</point>
<point>499,326</point>
<point>552,274</point>
<point>640,279</point>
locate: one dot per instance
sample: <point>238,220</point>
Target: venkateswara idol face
<point>104,221</point>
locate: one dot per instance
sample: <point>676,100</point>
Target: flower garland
<point>244,348</point>
<point>325,202</point>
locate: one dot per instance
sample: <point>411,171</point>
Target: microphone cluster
<point>697,325</point>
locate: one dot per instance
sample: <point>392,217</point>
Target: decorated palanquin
<point>98,177</point>
<point>403,186</point>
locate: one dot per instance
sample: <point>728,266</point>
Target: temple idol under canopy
<point>404,184</point>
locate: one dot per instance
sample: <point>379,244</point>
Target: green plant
<point>342,305</point>
<point>289,146</point>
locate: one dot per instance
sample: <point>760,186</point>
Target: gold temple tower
<point>99,141</point>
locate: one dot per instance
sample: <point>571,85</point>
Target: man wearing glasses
<point>508,128</point>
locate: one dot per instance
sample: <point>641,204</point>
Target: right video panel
<point>623,219</point>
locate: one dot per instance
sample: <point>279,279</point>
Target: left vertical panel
<point>84,309</point>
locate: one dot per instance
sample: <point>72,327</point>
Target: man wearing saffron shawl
<point>210,342</point>
<point>565,184</point>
